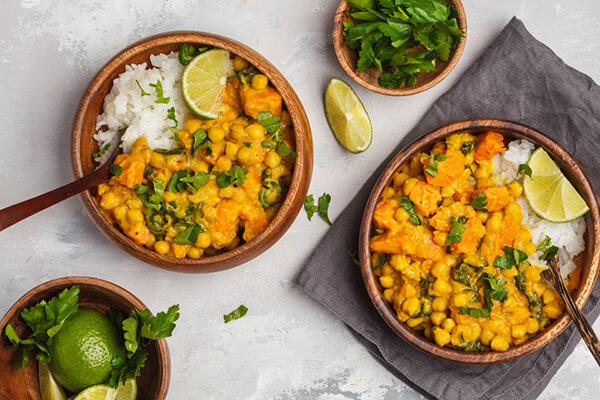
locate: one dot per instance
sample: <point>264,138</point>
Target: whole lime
<point>83,349</point>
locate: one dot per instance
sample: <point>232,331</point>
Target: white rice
<point>568,236</point>
<point>125,107</point>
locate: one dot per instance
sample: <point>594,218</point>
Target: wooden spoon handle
<point>580,321</point>
<point>15,213</point>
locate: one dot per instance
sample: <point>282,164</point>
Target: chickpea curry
<point>451,252</point>
<point>221,185</point>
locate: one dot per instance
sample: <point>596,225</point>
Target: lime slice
<point>347,116</point>
<point>97,392</point>
<point>203,82</point>
<point>549,192</point>
<point>127,391</point>
<point>49,389</point>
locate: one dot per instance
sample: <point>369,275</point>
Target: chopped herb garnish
<point>457,230</point>
<point>185,52</point>
<point>269,121</point>
<point>247,144</point>
<point>171,116</point>
<point>115,169</point>
<point>158,187</point>
<point>467,147</point>
<point>431,169</point>
<point>549,253</point>
<point>381,260</point>
<point>236,176</point>
<point>284,151</point>
<point>159,93</point>
<point>409,206</point>
<point>310,206</point>
<point>524,169</point>
<point>323,208</point>
<point>195,181</point>
<point>493,290</point>
<point>143,92</point>
<point>354,257</point>
<point>511,257</point>
<point>175,151</point>
<point>101,151</point>
<point>267,144</point>
<point>189,235</point>
<point>122,131</point>
<point>479,202</point>
<point>236,314</point>
<point>544,244</point>
<point>474,312</point>
<point>175,185</point>
<point>201,142</point>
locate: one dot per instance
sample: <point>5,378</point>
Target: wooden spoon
<point>552,274</point>
<point>17,212</point>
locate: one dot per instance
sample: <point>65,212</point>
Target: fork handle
<point>580,321</point>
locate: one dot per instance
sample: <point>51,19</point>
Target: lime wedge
<point>203,82</point>
<point>97,392</point>
<point>549,192</point>
<point>127,390</point>
<point>49,389</point>
<point>347,116</point>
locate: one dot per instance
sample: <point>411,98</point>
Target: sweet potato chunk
<point>425,197</point>
<point>490,144</point>
<point>448,171</point>
<point>497,197</point>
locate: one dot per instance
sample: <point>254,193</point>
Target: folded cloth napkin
<point>516,78</point>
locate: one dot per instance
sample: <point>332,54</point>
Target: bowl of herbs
<point>399,47</point>
<point>86,338</point>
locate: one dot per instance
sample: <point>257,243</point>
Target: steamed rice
<point>568,236</point>
<point>125,107</point>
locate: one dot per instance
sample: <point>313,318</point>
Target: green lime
<point>347,116</point>
<point>49,389</point>
<point>83,349</point>
<point>549,192</point>
<point>97,392</point>
<point>127,390</point>
<point>203,82</point>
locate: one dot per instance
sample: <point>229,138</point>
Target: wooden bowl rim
<point>338,44</point>
<point>61,283</point>
<point>422,143</point>
<point>301,175</point>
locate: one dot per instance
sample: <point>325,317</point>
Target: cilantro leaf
<point>457,230</point>
<point>524,169</point>
<point>201,142</point>
<point>323,207</point>
<point>143,92</point>
<point>161,325</point>
<point>354,257</point>
<point>409,206</point>
<point>189,235</point>
<point>269,121</point>
<point>474,312</point>
<point>175,184</point>
<point>549,253</point>
<point>544,244</point>
<point>235,314</point>
<point>185,52</point>
<point>101,151</point>
<point>511,257</point>
<point>309,206</point>
<point>431,169</point>
<point>479,202</point>
<point>115,170</point>
<point>467,147</point>
<point>267,144</point>
<point>156,197</point>
<point>159,93</point>
<point>130,327</point>
<point>236,176</point>
<point>195,181</point>
<point>173,152</point>
<point>171,116</point>
<point>284,151</point>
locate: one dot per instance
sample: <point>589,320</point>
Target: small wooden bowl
<point>96,294</point>
<point>83,145</point>
<point>589,259</point>
<point>370,78</point>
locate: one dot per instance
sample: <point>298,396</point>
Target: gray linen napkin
<point>516,78</point>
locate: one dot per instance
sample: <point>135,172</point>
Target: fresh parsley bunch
<point>383,31</point>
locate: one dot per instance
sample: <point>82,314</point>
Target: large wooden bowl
<point>589,259</point>
<point>96,294</point>
<point>370,78</point>
<point>83,145</point>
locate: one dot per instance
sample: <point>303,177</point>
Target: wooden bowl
<point>589,259</point>
<point>83,145</point>
<point>96,294</point>
<point>370,78</point>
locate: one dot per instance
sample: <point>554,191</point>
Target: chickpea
<point>238,132</point>
<point>482,216</point>
<point>439,237</point>
<point>437,317</point>
<point>194,252</point>
<point>518,331</point>
<point>226,192</point>
<point>441,336</point>
<point>448,191</point>
<point>151,241</point>
<point>409,185</point>
<point>245,155</point>
<point>259,82</point>
<point>411,306</point>
<point>532,325</point>
<point>135,216</point>
<point>204,240</point>
<point>439,304</point>
<point>386,281</point>
<point>448,324</point>
<point>530,248</point>
<point>486,336</point>
<point>239,63</point>
<point>552,311</point>
<point>520,315</point>
<point>399,179</point>
<point>532,274</point>
<point>162,247</point>
<point>388,294</point>
<point>441,286</point>
<point>216,134</point>
<point>109,201</point>
<point>499,343</point>
<point>192,125</point>
<point>471,332</point>
<point>440,269</point>
<point>272,159</point>
<point>515,189</point>
<point>120,212</point>
<point>412,322</point>
<point>512,209</point>
<point>461,299</point>
<point>255,131</point>
<point>494,222</point>
<point>388,193</point>
<point>223,163</point>
<point>550,296</point>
